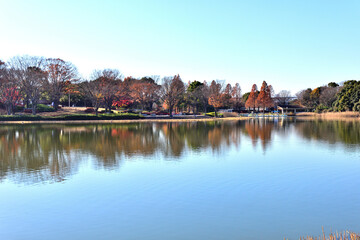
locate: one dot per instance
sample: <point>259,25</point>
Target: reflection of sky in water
<point>231,180</point>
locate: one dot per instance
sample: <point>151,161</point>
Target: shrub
<point>212,114</point>
<point>320,108</point>
<point>89,110</point>
<point>19,108</point>
<point>44,108</point>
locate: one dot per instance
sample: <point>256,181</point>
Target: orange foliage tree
<point>227,95</point>
<point>251,101</point>
<point>264,100</point>
<point>144,91</point>
<point>216,95</point>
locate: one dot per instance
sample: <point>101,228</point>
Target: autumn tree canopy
<point>58,72</point>
<point>251,101</point>
<point>109,84</point>
<point>216,95</point>
<point>144,91</point>
<point>264,99</point>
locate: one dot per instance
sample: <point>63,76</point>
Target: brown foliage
<point>109,85</point>
<point>59,72</point>
<point>251,101</point>
<point>144,92</point>
<point>216,94</point>
<point>264,99</point>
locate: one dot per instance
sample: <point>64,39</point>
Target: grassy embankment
<point>77,115</point>
<point>9,118</point>
<point>331,115</point>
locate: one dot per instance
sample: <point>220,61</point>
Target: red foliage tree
<point>10,97</point>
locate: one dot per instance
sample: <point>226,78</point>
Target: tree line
<point>332,97</point>
<point>28,80</point>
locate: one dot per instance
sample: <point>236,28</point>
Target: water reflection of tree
<point>330,131</point>
<point>30,154</point>
<point>260,130</point>
<point>53,153</point>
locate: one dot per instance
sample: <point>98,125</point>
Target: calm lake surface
<point>252,179</point>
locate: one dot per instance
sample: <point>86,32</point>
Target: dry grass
<point>230,114</point>
<point>332,115</point>
<point>64,111</point>
<point>346,235</point>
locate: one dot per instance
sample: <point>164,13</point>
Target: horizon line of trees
<point>30,80</point>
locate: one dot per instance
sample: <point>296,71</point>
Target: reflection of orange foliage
<point>214,136</point>
<point>259,130</point>
<point>123,133</point>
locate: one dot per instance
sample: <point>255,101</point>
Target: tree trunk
<point>170,111</point>
<point>56,104</point>
<point>33,109</point>
<point>69,100</point>
<point>9,109</point>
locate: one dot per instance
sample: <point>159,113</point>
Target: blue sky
<point>290,44</point>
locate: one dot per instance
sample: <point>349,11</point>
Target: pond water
<point>252,179</point>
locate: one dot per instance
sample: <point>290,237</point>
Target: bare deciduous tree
<point>283,97</point>
<point>30,74</point>
<point>236,95</point>
<point>59,72</point>
<point>92,90</point>
<point>172,91</point>
<point>9,90</point>
<point>328,96</point>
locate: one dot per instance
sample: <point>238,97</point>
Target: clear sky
<point>290,44</point>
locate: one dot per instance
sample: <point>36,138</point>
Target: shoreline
<point>341,116</point>
<point>149,120</point>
